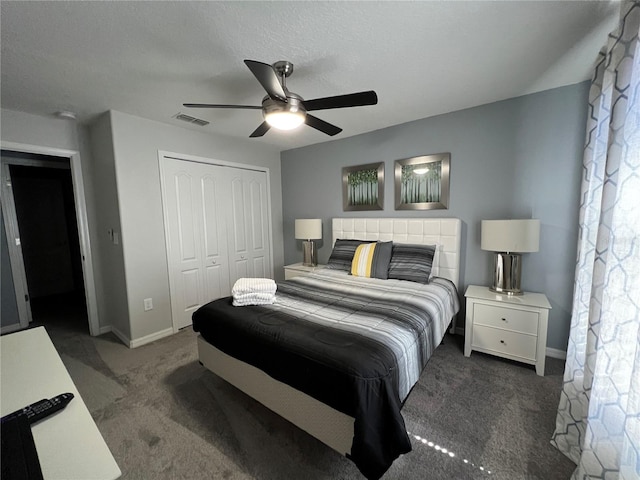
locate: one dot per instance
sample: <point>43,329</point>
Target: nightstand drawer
<point>507,318</point>
<point>504,341</point>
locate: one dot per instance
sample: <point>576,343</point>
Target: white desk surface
<point>69,444</point>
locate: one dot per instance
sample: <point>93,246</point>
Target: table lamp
<point>308,230</point>
<point>509,239</point>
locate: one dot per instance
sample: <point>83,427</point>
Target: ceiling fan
<point>286,110</point>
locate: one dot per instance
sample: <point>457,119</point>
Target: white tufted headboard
<point>444,232</point>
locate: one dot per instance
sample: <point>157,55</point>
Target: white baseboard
<point>104,330</point>
<point>121,336</point>
<point>555,353</point>
<point>151,338</point>
<point>551,352</point>
<point>138,342</point>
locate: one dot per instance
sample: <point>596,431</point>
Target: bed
<point>334,376</point>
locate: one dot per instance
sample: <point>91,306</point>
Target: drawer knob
<point>504,319</point>
<point>502,341</point>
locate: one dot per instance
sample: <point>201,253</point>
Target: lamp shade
<point>308,228</point>
<point>516,236</point>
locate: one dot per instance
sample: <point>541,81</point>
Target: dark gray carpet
<point>165,417</point>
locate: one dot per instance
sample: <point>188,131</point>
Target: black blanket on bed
<point>348,372</point>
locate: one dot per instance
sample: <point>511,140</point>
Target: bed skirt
<point>331,427</point>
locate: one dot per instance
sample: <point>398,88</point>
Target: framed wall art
<point>422,183</point>
<point>363,187</point>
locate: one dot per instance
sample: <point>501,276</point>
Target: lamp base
<point>309,256</point>
<point>507,268</point>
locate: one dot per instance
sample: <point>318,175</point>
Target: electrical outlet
<point>148,304</point>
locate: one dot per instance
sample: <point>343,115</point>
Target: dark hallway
<point>46,215</point>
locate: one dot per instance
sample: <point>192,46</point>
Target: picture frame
<point>422,183</point>
<point>363,187</point>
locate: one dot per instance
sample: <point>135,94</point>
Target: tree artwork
<point>363,187</point>
<point>421,182</point>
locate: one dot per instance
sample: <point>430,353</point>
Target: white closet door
<point>197,250</point>
<point>249,247</point>
<point>214,240</point>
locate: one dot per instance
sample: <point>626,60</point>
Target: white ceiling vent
<point>190,119</point>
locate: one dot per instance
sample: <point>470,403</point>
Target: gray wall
<point>519,158</point>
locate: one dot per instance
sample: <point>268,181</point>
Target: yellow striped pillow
<point>363,260</point>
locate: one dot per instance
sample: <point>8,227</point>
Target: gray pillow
<point>342,254</point>
<point>411,262</point>
<point>381,259</point>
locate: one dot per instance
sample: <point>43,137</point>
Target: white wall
<point>64,134</point>
<point>119,155</point>
<point>136,142</point>
<point>19,127</point>
<point>110,283</point>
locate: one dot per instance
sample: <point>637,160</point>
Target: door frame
<point>77,179</point>
<point>162,154</point>
<point>16,260</point>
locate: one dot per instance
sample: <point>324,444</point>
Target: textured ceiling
<point>422,58</point>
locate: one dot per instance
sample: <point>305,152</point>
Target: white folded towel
<point>253,285</point>
<point>245,299</point>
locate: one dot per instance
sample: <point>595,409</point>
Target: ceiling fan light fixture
<point>284,115</point>
<point>285,120</point>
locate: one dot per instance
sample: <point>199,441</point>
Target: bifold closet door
<point>195,196</point>
<point>248,232</point>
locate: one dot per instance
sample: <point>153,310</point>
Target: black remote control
<point>42,409</point>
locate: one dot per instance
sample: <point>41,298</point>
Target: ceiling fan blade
<point>321,125</point>
<point>341,101</point>
<point>261,130</point>
<point>268,79</point>
<point>212,105</point>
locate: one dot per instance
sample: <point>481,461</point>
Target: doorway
<point>46,229</point>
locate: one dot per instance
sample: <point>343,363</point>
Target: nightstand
<point>508,326</point>
<point>296,269</point>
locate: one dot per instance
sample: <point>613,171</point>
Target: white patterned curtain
<point>598,421</point>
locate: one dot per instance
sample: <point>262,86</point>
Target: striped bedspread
<point>356,344</point>
<point>408,317</point>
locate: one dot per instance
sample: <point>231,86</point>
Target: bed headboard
<point>444,232</point>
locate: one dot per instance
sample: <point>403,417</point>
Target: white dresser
<point>513,327</point>
<point>69,444</point>
<point>296,269</point>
